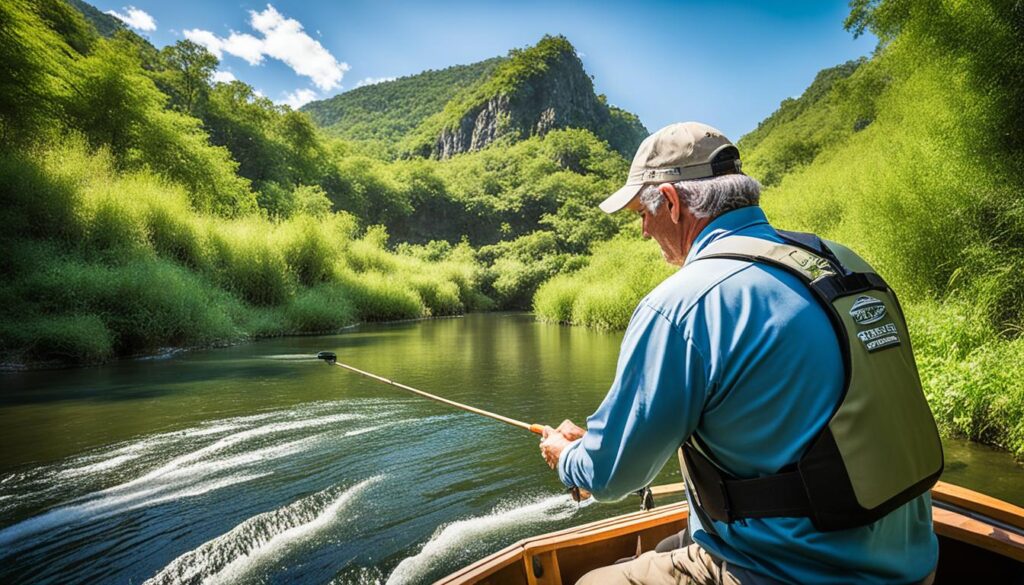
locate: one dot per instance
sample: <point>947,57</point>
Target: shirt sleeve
<point>654,404</point>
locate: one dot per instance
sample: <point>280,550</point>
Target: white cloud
<point>206,39</point>
<point>373,81</point>
<point>135,18</point>
<point>224,77</point>
<point>245,46</point>
<point>283,39</point>
<point>298,98</point>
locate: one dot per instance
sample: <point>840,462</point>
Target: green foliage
<point>102,262</point>
<point>519,266</point>
<point>604,293</point>
<point>386,111</point>
<point>104,23</point>
<point>327,307</point>
<point>60,338</point>
<point>916,163</point>
<point>827,112</point>
<point>185,75</point>
<point>33,80</point>
<point>970,373</point>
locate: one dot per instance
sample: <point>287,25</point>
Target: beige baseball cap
<point>678,152</point>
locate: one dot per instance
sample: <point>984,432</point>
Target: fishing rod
<point>331,358</point>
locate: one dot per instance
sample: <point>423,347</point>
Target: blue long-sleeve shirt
<point>741,354</point>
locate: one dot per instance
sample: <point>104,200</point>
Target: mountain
<point>439,114</point>
<point>389,110</point>
<point>105,24</point>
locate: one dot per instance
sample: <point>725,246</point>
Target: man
<point>737,357</point>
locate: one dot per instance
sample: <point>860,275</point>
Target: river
<point>258,464</point>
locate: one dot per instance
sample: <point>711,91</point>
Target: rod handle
<point>537,429</point>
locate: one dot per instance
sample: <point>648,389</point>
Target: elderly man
<point>780,367</point>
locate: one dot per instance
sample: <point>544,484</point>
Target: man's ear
<point>674,209</point>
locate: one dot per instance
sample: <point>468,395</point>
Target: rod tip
<point>328,356</point>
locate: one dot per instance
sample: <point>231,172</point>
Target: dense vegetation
<point>145,206</point>
<point>386,112</point>
<point>914,158</point>
<point>128,228</point>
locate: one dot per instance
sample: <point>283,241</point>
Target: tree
<point>187,70</point>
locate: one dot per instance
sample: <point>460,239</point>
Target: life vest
<point>880,448</point>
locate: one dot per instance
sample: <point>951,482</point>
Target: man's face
<point>668,233</point>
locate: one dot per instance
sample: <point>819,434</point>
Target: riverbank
<point>171,352</point>
<point>105,264</point>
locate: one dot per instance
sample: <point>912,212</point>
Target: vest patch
<point>867,309</point>
<point>880,337</point>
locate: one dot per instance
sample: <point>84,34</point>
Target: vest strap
<point>726,499</point>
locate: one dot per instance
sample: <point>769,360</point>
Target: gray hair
<point>709,197</point>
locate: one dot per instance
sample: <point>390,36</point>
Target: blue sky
<point>728,64</point>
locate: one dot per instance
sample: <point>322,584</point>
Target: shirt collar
<point>726,224</point>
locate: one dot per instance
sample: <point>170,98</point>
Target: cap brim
<point>621,198</point>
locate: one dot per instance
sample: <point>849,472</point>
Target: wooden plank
<point>484,567</point>
<point>1004,512</point>
<point>669,488</point>
<point>978,534</point>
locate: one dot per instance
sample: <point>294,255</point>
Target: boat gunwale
<point>961,514</point>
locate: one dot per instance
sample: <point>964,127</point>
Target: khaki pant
<point>690,565</point>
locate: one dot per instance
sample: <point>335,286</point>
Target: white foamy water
<point>454,538</point>
<point>232,440</point>
<point>230,556</point>
<point>191,474</point>
<point>363,431</point>
<point>290,356</point>
<point>12,537</point>
<point>102,466</point>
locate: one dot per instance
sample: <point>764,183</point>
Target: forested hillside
<point>386,112</point>
<point>461,109</point>
<point>915,158</point>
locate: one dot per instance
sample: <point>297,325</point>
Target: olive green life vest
<point>880,448</point>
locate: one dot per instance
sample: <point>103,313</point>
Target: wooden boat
<point>981,540</point>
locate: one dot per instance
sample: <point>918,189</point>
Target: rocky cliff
<point>537,90</point>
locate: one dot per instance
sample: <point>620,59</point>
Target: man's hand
<point>552,445</point>
<point>569,430</point>
<point>556,440</point>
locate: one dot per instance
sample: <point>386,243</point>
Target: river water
<point>258,464</point>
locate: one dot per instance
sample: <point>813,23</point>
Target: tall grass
<point>103,263</point>
<point>605,292</point>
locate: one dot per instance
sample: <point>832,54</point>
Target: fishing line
<point>331,358</point>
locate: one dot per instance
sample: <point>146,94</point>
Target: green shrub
<point>555,299</point>
<point>176,233</point>
<point>312,247</point>
<point>368,253</point>
<point>604,293</point>
<point>68,338</point>
<point>249,264</point>
<point>323,308</point>
<point>971,375</point>
<point>440,296</point>
<point>378,297</point>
